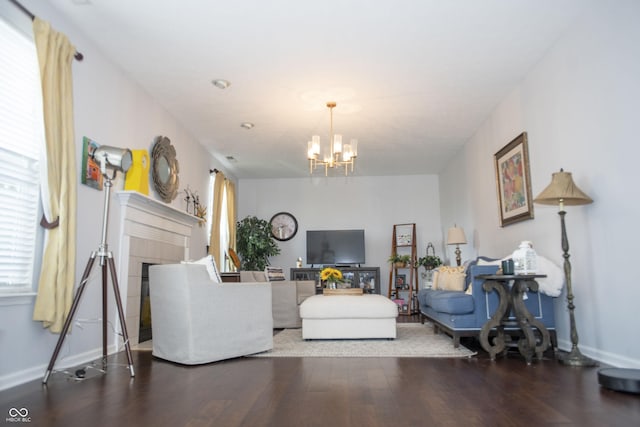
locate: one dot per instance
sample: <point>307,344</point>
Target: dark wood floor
<point>331,392</point>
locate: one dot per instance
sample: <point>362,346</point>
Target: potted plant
<point>331,277</point>
<point>430,262</point>
<point>255,243</point>
<point>400,261</point>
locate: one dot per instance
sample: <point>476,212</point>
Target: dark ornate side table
<point>511,300</point>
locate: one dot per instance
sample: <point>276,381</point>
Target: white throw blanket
<point>554,282</point>
<point>551,285</point>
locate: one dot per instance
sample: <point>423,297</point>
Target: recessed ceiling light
<point>221,84</point>
<point>247,125</point>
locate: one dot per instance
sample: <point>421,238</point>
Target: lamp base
<point>575,358</point>
<point>458,257</point>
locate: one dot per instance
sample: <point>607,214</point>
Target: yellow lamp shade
<point>137,178</point>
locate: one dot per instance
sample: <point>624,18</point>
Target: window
<point>21,145</point>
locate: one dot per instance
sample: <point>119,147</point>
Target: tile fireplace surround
<point>152,232</point>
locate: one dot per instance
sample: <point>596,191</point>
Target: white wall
<point>112,110</point>
<point>374,204</point>
<point>579,106</point>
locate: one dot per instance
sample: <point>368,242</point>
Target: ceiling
<point>413,80</point>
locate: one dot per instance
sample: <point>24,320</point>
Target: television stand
<point>365,278</point>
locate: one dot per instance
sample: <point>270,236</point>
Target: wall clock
<point>283,226</point>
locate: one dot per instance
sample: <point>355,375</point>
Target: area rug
<point>413,340</point>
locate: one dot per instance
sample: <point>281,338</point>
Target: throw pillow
<point>434,278</point>
<point>450,278</point>
<point>210,265</point>
<point>274,274</point>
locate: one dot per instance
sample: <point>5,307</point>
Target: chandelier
<point>337,156</point>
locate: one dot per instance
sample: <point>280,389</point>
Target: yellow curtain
<point>55,288</point>
<point>214,239</point>
<point>231,212</point>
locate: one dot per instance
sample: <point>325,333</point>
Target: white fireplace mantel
<point>150,231</point>
<point>140,202</point>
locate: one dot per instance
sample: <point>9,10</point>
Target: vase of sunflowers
<point>331,277</point>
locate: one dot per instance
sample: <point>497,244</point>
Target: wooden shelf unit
<point>403,242</point>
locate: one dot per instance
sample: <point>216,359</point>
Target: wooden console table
<point>511,299</point>
<point>232,277</point>
<point>347,291</point>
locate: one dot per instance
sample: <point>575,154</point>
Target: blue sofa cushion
<point>452,302</point>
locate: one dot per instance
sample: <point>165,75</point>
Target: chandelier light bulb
<point>337,144</point>
<point>354,148</point>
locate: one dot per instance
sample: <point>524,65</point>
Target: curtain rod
<point>78,55</point>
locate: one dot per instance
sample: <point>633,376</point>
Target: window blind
<point>20,149</point>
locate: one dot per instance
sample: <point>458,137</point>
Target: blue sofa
<point>459,314</point>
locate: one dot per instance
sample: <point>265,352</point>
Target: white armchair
<point>195,320</point>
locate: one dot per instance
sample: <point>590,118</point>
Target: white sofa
<point>195,320</point>
<point>287,295</point>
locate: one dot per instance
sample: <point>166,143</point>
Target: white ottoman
<point>348,316</point>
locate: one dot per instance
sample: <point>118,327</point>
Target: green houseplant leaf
<point>254,243</point>
<point>430,262</point>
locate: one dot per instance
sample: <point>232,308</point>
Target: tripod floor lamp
<point>563,191</point>
<point>116,159</point>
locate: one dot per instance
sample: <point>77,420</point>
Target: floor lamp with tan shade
<point>563,191</point>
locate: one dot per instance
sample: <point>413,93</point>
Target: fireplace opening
<point>144,331</point>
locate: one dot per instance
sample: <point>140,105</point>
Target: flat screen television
<point>335,247</point>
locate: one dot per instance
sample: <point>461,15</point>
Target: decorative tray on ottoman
<point>348,291</point>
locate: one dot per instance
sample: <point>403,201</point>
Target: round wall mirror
<point>164,169</point>
<point>164,172</point>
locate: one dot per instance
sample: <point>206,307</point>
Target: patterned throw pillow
<point>449,278</point>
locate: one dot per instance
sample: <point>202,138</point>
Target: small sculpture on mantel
<point>187,197</point>
<point>193,199</point>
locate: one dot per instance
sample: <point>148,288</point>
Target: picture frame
<point>513,181</point>
<point>90,174</point>
<point>401,281</point>
<point>403,235</point>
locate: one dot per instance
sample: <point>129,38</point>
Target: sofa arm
<point>285,306</point>
<point>252,276</point>
<point>305,289</point>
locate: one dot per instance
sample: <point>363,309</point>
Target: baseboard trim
<point>603,357</point>
<point>17,378</point>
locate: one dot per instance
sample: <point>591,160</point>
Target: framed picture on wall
<point>403,234</point>
<point>90,174</point>
<point>513,182</point>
